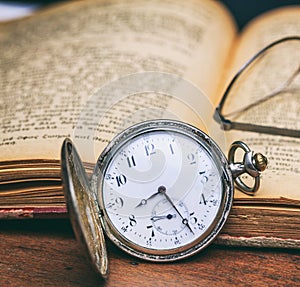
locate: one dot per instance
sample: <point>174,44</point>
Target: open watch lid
<point>83,208</point>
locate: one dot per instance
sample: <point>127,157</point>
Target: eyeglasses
<point>264,96</point>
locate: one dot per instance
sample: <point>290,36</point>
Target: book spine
<point>257,241</point>
<point>222,239</point>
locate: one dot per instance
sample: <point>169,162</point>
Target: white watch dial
<point>161,191</point>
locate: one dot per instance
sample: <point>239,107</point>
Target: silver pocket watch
<point>161,191</point>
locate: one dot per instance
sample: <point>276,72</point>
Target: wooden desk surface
<point>45,253</point>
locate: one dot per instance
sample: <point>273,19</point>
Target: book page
<point>282,178</point>
<point>53,62</point>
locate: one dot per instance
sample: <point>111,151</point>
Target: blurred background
<point>243,11</point>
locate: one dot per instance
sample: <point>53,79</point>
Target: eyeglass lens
<point>267,92</point>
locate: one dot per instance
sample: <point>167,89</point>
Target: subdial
<point>166,219</point>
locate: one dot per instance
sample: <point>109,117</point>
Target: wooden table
<point>45,253</point>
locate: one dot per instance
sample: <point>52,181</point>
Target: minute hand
<point>163,191</point>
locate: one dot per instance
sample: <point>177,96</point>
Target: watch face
<point>164,190</point>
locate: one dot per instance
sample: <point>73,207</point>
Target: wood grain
<point>45,253</point>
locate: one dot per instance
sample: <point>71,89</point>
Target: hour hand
<point>144,201</point>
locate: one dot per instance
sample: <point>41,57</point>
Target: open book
<point>53,62</point>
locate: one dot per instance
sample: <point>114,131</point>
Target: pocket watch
<point>161,191</point>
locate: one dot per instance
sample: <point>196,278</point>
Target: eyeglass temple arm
<point>229,125</point>
<point>226,124</point>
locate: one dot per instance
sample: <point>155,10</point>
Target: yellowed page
<point>54,61</point>
<point>282,178</point>
<point>265,29</point>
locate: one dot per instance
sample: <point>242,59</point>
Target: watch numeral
<point>132,220</point>
<point>152,230</point>
<point>108,176</point>
<point>149,242</point>
<point>118,202</point>
<point>177,241</point>
<point>124,228</point>
<point>201,226</point>
<point>131,161</point>
<point>203,200</point>
<point>204,179</point>
<point>150,149</point>
<point>171,149</point>
<point>121,180</point>
<point>214,202</point>
<point>191,158</point>
<point>193,219</point>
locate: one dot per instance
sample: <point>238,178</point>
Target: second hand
<point>162,189</point>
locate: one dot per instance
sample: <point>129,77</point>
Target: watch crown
<point>260,161</point>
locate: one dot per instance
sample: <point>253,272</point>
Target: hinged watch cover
<point>83,208</point>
